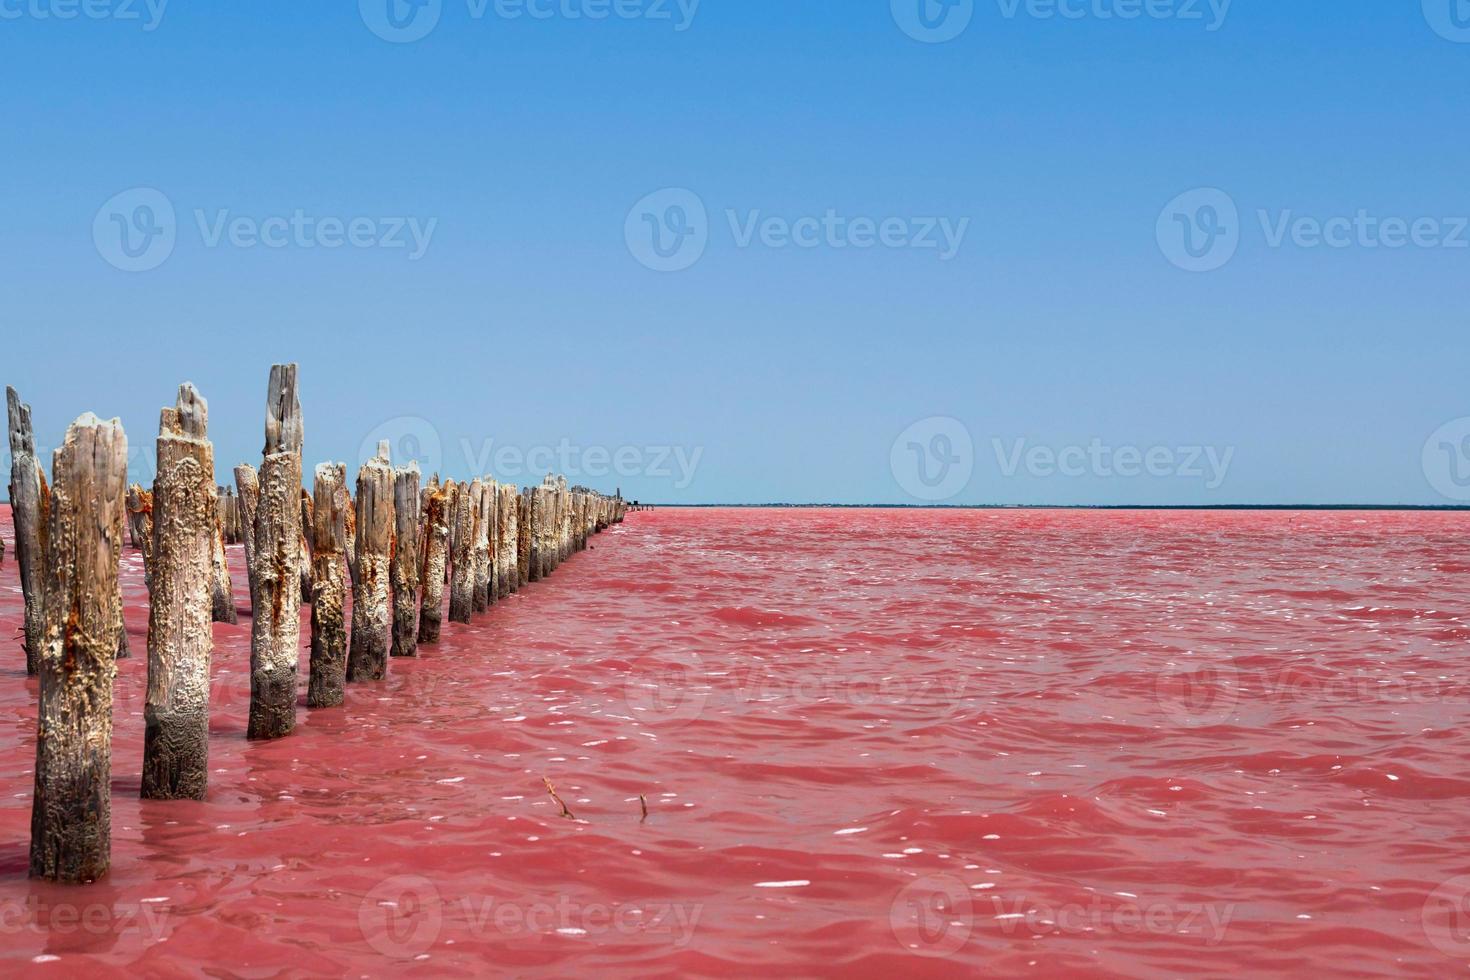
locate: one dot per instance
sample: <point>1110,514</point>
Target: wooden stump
<point>71,810</point>
<point>406,506</point>
<point>435,557</point>
<point>223,587</point>
<point>462,541</point>
<point>180,641</point>
<point>484,529</point>
<point>275,584</point>
<point>506,563</point>
<point>306,525</point>
<point>328,589</point>
<point>367,659</point>
<point>249,486</point>
<point>28,509</point>
<point>139,504</point>
<point>525,535</point>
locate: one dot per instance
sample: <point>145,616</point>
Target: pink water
<point>872,743</point>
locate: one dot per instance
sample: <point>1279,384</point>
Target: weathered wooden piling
<point>249,486</point>
<point>306,535</point>
<point>328,591</point>
<point>405,572</point>
<point>462,541</point>
<point>176,709</point>
<point>275,589</point>
<point>367,659</point>
<point>435,557</point>
<point>506,563</point>
<point>139,505</point>
<point>223,588</point>
<point>71,809</point>
<point>28,510</point>
<point>525,535</point>
<point>484,545</point>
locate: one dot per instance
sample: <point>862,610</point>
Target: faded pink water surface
<point>871,743</point>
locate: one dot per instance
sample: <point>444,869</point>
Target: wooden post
<point>222,587</point>
<point>28,509</point>
<point>180,641</point>
<point>525,535</point>
<point>462,575</point>
<point>506,530</point>
<point>275,584</point>
<point>306,536</point>
<point>249,486</point>
<point>484,529</point>
<point>436,550</point>
<point>367,659</point>
<point>406,504</point>
<point>139,504</point>
<point>328,590</point>
<point>71,810</point>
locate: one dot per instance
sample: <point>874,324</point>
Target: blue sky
<point>530,153</point>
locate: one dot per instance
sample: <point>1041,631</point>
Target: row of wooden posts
<point>399,543</point>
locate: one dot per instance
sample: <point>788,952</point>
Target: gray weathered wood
<point>222,607</point>
<point>180,640</point>
<point>367,658</point>
<point>435,558</point>
<point>405,572</point>
<point>462,541</point>
<point>275,584</point>
<point>328,589</point>
<point>71,809</point>
<point>28,506</point>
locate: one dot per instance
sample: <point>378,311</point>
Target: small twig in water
<point>644,804</point>
<point>565,811</point>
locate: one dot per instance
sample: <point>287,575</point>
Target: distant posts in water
<point>328,669</point>
<point>436,507</point>
<point>180,641</point>
<point>275,585</point>
<point>28,509</point>
<point>367,659</point>
<point>71,812</point>
<point>407,503</point>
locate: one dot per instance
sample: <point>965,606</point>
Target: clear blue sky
<point>782,373</point>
